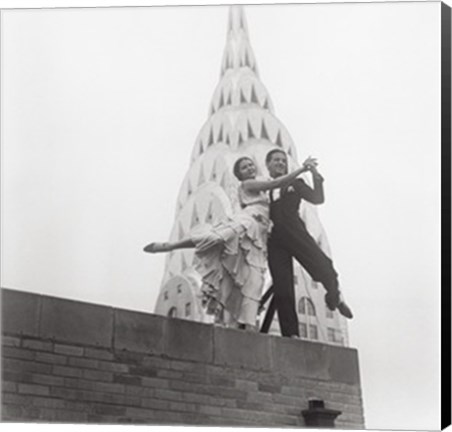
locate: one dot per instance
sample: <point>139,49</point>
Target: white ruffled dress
<point>232,260</point>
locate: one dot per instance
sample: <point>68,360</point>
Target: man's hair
<point>272,152</point>
<point>237,166</point>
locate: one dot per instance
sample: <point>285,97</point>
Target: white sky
<point>101,108</point>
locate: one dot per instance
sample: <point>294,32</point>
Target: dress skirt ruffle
<point>231,257</point>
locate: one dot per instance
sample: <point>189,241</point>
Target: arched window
<point>172,312</point>
<point>302,306</point>
<point>306,307</point>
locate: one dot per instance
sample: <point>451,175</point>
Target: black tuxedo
<point>290,239</point>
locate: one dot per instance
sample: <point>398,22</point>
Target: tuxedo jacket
<point>284,210</point>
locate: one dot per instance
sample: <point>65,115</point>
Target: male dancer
<point>290,239</point>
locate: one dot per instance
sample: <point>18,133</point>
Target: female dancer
<point>232,255</point>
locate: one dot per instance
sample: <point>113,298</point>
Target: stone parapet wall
<point>69,361</point>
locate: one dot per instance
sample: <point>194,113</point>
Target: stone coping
<point>80,323</point>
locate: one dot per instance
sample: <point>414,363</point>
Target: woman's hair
<point>236,169</point>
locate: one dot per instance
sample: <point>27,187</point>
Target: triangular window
<point>264,133</point>
<point>247,59</point>
<point>221,103</point>
<point>279,140</point>
<point>220,134</point>
<point>210,142</point>
<point>250,131</point>
<point>230,99</point>
<point>254,98</point>
<point>242,98</point>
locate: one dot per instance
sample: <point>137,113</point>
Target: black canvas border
<point>446,321</point>
<point>445,215</point>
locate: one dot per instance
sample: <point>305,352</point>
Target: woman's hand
<point>314,172</point>
<point>310,163</point>
<point>262,185</point>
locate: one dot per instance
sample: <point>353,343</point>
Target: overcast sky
<point>100,111</point>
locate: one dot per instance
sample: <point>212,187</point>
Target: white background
<point>101,108</point>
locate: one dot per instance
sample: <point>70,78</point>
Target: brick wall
<point>68,361</point>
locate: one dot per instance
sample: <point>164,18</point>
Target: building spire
<point>237,21</point>
<point>241,121</point>
<point>238,52</point>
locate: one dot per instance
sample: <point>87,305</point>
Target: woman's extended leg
<point>169,246</point>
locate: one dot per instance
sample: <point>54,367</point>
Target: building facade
<point>241,121</point>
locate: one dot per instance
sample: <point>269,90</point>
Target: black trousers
<point>282,248</point>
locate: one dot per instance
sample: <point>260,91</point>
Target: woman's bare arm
<point>263,185</point>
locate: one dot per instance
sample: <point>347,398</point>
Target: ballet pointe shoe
<point>157,247</point>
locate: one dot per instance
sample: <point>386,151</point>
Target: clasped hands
<point>310,164</point>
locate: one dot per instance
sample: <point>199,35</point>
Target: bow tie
<point>275,194</point>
